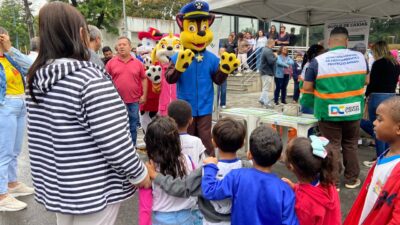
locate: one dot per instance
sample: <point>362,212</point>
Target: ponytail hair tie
<point>318,145</point>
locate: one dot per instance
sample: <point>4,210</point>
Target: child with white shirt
<point>163,149</point>
<point>228,137</point>
<point>181,112</point>
<point>378,201</point>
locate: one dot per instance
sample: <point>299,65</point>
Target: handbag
<point>288,70</point>
<point>292,110</point>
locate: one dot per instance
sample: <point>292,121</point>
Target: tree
<point>101,13</point>
<point>29,18</point>
<point>12,18</point>
<point>155,9</point>
<point>383,29</point>
<point>316,35</point>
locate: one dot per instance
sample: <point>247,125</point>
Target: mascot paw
<point>154,74</point>
<point>185,58</point>
<point>228,63</point>
<point>147,62</point>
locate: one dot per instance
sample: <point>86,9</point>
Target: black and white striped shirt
<point>80,148</point>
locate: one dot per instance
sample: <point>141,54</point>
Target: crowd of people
<point>249,47</point>
<point>83,112</point>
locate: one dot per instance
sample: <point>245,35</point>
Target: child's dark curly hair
<point>164,147</point>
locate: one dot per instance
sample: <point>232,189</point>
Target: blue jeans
<point>182,217</point>
<point>296,91</point>
<point>368,127</point>
<point>197,217</point>
<point>133,114</point>
<point>222,93</point>
<point>12,129</point>
<point>307,110</point>
<point>258,55</point>
<point>374,100</point>
<point>281,87</point>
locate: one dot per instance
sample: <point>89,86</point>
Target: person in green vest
<point>307,99</point>
<point>337,79</point>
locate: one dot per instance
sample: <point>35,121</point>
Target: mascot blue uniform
<point>194,69</point>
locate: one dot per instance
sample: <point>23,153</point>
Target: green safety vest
<point>339,85</point>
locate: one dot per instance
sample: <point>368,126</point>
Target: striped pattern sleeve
<point>106,116</point>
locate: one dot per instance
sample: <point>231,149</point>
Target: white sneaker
<point>353,185</point>
<point>224,106</point>
<point>21,190</point>
<point>11,204</point>
<point>369,164</point>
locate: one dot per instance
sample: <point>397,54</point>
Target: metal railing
<point>252,61</point>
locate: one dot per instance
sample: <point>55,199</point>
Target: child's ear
<point>191,121</point>
<point>249,155</point>
<point>398,129</point>
<point>290,167</point>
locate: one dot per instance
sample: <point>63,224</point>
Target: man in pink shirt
<point>130,80</point>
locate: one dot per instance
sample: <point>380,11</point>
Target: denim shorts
<point>181,217</point>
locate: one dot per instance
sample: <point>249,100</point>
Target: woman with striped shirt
<point>83,161</point>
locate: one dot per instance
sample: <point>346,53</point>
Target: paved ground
<point>35,214</point>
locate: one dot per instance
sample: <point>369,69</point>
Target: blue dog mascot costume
<point>194,69</point>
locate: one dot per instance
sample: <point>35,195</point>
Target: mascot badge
<point>194,69</point>
<point>160,56</point>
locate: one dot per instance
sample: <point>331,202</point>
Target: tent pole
<point>308,28</point>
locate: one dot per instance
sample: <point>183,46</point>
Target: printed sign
<point>357,27</point>
<point>344,109</point>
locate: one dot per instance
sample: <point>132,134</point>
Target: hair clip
<point>318,145</point>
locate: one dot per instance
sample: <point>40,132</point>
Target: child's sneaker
<point>21,190</point>
<point>369,163</point>
<point>10,203</point>
<point>354,184</point>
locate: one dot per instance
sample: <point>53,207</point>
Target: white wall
<point>136,25</point>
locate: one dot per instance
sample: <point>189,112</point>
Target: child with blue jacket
<point>258,196</point>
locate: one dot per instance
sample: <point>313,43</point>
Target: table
<point>254,117</point>
<point>301,123</point>
<point>250,116</point>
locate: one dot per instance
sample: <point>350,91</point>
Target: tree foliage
<point>104,14</point>
<point>155,9</point>
<point>383,29</point>
<point>12,18</point>
<point>316,35</point>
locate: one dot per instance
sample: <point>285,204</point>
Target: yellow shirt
<point>15,85</point>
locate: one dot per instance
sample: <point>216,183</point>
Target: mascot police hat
<point>195,10</point>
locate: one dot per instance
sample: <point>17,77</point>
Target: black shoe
<point>284,102</point>
<point>276,103</point>
<point>261,102</point>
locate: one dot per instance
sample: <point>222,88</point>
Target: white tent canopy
<point>306,12</point>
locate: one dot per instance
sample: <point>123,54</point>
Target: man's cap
<point>195,10</point>
<point>339,30</point>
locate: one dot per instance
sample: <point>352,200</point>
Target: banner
<point>358,28</point>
